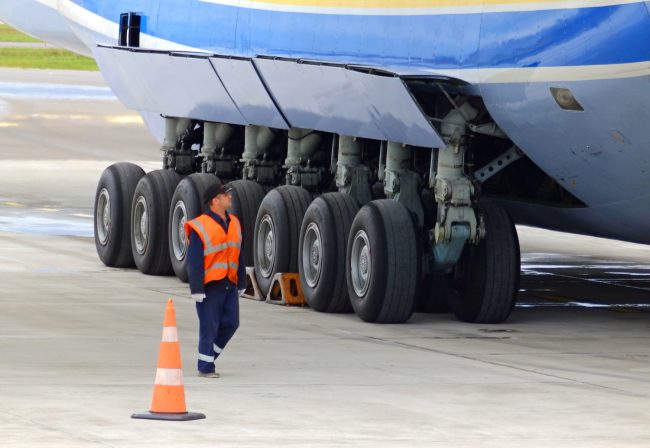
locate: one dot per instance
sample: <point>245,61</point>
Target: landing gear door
<point>347,100</point>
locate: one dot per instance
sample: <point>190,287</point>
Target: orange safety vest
<point>220,250</point>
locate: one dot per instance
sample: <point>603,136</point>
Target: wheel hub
<point>268,246</point>
<point>103,217</point>
<point>107,215</point>
<point>315,254</point>
<point>361,263</point>
<point>141,225</point>
<point>312,255</point>
<point>266,251</point>
<point>179,218</point>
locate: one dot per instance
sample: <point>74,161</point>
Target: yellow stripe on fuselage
<point>402,4</point>
<point>413,7</point>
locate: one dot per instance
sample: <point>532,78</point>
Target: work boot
<point>209,374</point>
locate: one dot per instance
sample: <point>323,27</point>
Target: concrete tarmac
<point>79,342</point>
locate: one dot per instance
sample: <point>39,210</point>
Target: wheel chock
<point>252,290</point>
<point>286,290</point>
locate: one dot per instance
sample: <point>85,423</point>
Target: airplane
<point>41,19</point>
<point>383,149</point>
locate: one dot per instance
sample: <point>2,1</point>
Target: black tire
<point>112,236</point>
<point>432,293</point>
<point>280,215</point>
<point>149,241</point>
<point>246,199</point>
<point>384,230</point>
<point>486,278</point>
<point>186,204</point>
<point>323,237</point>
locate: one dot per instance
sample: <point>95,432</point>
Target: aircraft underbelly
<point>625,220</point>
<point>602,154</point>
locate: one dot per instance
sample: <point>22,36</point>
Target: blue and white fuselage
<point>511,52</point>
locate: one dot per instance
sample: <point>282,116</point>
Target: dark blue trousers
<point>218,321</point>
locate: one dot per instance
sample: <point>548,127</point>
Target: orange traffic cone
<point>168,391</point>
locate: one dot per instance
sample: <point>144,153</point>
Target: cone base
<point>169,416</point>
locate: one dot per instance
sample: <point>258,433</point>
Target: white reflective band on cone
<point>169,377</point>
<point>170,334</point>
<point>206,358</point>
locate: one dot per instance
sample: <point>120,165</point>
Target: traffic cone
<point>168,391</point>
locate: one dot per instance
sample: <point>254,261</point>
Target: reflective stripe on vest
<point>220,249</point>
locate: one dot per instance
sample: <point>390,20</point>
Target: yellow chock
<point>286,290</point>
<point>252,288</point>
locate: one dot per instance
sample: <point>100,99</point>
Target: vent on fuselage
<point>130,26</point>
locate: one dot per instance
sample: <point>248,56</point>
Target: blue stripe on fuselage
<point>564,37</point>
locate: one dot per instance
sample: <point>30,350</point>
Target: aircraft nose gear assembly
<point>456,223</point>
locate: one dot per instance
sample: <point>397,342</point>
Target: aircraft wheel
<point>321,262</point>
<point>113,214</point>
<point>186,204</point>
<point>246,199</point>
<point>381,263</point>
<point>149,221</point>
<point>277,232</point>
<point>432,293</point>
<point>486,278</point>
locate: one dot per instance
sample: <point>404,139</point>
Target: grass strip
<point>44,58</point>
<point>8,34</point>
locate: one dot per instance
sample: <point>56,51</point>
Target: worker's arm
<point>195,269</point>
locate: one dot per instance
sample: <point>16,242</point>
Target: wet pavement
<point>44,91</point>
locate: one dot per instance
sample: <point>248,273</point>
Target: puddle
<point>31,221</point>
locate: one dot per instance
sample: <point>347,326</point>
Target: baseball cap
<point>215,190</point>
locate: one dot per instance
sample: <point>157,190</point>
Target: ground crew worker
<point>216,273</point>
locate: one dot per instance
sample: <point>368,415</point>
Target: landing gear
<point>246,199</point>
<point>427,247</point>
<point>186,204</point>
<point>149,221</point>
<point>381,263</point>
<point>486,278</point>
<point>277,231</point>
<point>321,261</point>
<point>113,214</point>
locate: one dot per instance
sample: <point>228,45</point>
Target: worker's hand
<point>241,292</point>
<point>198,297</point>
